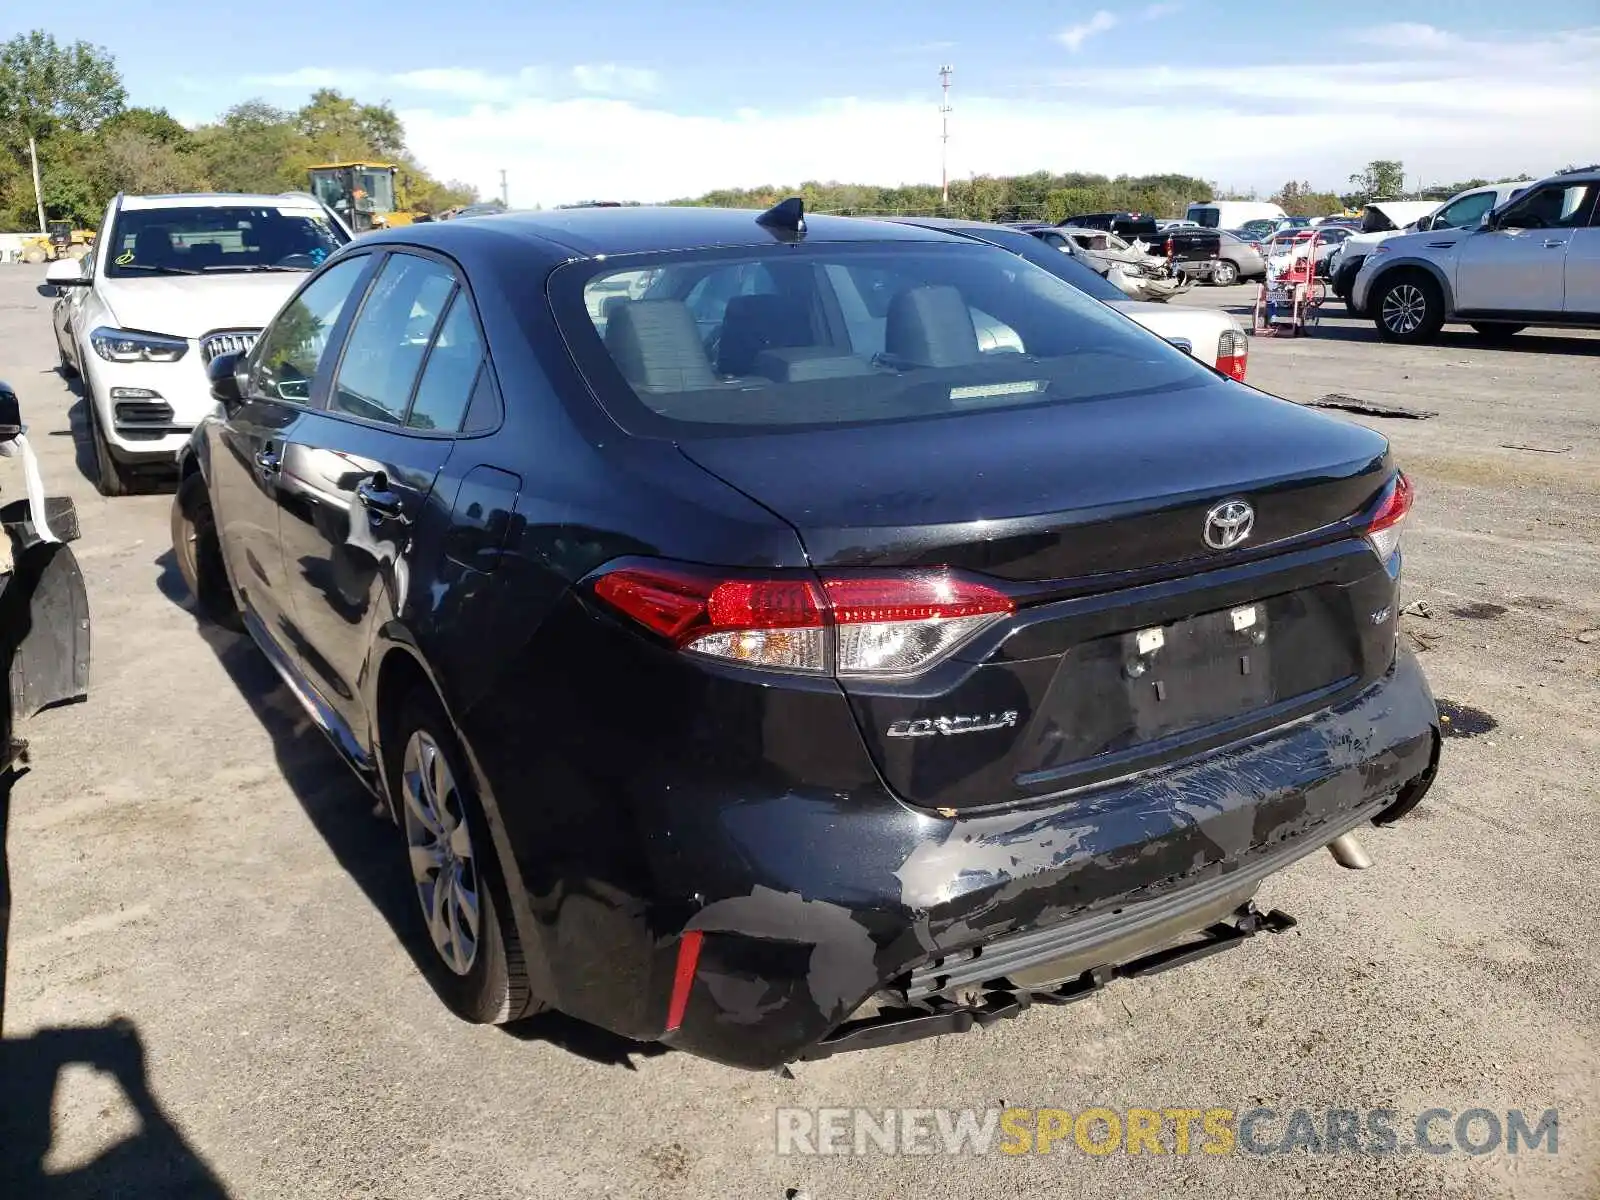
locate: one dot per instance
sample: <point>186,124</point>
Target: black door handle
<point>376,497</point>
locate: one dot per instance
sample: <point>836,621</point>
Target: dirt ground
<point>211,992</point>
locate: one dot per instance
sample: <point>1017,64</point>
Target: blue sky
<point>637,100</point>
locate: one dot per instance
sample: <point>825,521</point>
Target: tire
<point>1225,273</point>
<point>110,478</point>
<point>199,553</point>
<point>33,255</point>
<point>1498,333</point>
<point>1407,307</point>
<point>482,980</point>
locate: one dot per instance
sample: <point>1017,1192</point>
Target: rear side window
<point>286,360</point>
<point>1209,217</point>
<point>451,372</point>
<point>1465,212</point>
<point>389,337</point>
<point>845,333</point>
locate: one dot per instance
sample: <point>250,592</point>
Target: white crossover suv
<point>173,282</point>
<point>1532,261</point>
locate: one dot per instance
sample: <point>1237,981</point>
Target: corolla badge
<point>1229,523</point>
<point>949,726</point>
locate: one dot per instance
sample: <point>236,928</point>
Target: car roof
<point>590,232</point>
<point>219,200</point>
<point>953,223</point>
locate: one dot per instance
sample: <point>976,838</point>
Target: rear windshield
<point>707,343</point>
<point>192,241</point>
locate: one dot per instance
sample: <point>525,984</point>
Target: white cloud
<point>1462,110</point>
<point>311,78</point>
<point>1073,36</point>
<point>1408,35</point>
<point>609,79</point>
<point>470,83</point>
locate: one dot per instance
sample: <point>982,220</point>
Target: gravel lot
<point>196,876</point>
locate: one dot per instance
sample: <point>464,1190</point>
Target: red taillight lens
<point>1169,247</point>
<point>901,624</point>
<point>853,625</point>
<point>911,598</point>
<point>1384,531</point>
<point>764,622</point>
<point>1233,349</point>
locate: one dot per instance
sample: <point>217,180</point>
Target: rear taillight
<point>847,625</point>
<point>1169,247</point>
<point>1384,531</point>
<point>1232,350</point>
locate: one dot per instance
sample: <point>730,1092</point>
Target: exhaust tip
<point>1348,852</point>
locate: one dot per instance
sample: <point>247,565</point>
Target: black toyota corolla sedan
<point>775,635</point>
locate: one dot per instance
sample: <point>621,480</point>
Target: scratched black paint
<point>634,794</point>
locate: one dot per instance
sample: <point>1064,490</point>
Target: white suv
<point>1391,219</point>
<point>1533,261</point>
<point>173,282</point>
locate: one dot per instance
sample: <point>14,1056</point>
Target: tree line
<point>1045,196</point>
<point>67,106</point>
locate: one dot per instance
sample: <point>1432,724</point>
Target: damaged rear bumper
<point>926,925</point>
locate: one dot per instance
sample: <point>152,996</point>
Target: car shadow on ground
<point>83,445</point>
<point>357,827</point>
<point>156,1163</point>
<point>78,428</point>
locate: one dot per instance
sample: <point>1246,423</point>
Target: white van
<point>1230,214</point>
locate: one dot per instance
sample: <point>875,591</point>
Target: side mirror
<point>66,272</point>
<point>1488,221</point>
<point>224,372</point>
<point>10,413</point>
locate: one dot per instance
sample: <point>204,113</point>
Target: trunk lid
<point>1093,516</point>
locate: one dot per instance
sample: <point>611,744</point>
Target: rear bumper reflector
<point>683,977</point>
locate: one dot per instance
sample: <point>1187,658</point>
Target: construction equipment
<point>360,192</point>
<point>61,241</point>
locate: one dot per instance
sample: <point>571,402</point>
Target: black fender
<point>195,454</point>
<point>392,645</point>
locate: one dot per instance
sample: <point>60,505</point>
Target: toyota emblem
<point>1229,523</point>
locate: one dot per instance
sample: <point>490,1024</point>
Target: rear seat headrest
<point>657,346</point>
<point>931,326</point>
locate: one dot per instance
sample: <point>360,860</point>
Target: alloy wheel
<point>443,866</point>
<point>1404,308</point>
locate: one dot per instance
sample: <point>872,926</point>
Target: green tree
<point>1382,179</point>
<point>254,148</point>
<point>130,161</point>
<point>339,128</point>
<point>1300,200</point>
<point>154,123</point>
<point>46,87</point>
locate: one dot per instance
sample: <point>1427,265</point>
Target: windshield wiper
<point>252,267</point>
<point>155,269</point>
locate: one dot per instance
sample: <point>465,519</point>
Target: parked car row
<point>1499,257</point>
